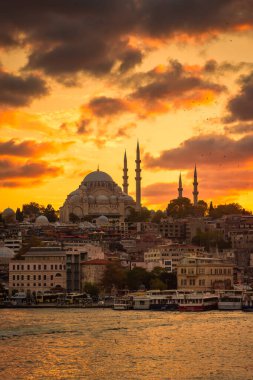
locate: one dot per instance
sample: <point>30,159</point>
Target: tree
<point>19,215</point>
<point>138,216</point>
<point>91,289</point>
<point>50,213</point>
<point>157,216</point>
<point>227,209</point>
<point>32,210</point>
<point>180,208</point>
<point>210,239</point>
<point>137,277</point>
<point>201,209</point>
<point>114,276</point>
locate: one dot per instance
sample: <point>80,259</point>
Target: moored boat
<point>124,303</point>
<point>247,303</point>
<point>197,302</point>
<point>230,302</point>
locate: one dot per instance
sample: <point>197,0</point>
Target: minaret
<point>138,178</point>
<point>195,188</point>
<point>180,188</point>
<point>125,176</point>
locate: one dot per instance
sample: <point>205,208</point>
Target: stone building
<point>93,271</point>
<point>40,270</point>
<point>201,273</point>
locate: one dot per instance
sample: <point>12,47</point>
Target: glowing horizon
<point>77,92</point>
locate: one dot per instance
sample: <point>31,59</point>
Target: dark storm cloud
<point>209,150</point>
<point>239,128</point>
<point>65,37</point>
<point>20,91</point>
<point>105,106</point>
<point>16,170</point>
<point>172,82</point>
<point>31,148</point>
<point>240,106</point>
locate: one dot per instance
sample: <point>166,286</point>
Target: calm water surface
<point>131,345</point>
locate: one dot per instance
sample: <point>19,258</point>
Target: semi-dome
<point>113,199</point>
<point>74,199</point>
<point>102,220</point>
<point>8,212</point>
<point>97,176</point>
<point>91,199</point>
<point>102,199</point>
<point>6,252</point>
<point>42,220</point>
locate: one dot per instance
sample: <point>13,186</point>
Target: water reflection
<point>111,345</point>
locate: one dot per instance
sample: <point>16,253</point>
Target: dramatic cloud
<point>14,174</point>
<point>30,148</point>
<point>65,38</point>
<point>20,91</point>
<point>207,150</point>
<point>241,105</point>
<point>159,193</point>
<point>239,128</point>
<point>160,90</point>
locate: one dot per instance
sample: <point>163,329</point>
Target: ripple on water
<point>106,344</point>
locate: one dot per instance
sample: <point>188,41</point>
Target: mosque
<point>98,195</point>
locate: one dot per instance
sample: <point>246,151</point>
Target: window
<point>45,276</point>
<point>52,267</point>
<point>28,267</point>
<point>52,284</point>
<point>52,277</point>
<point>192,281</point>
<point>39,267</point>
<point>28,277</point>
<point>39,284</point>
<point>34,277</point>
<point>22,277</point>
<point>55,267</point>
<point>45,284</point>
<point>45,267</point>
<point>39,277</point>
<point>34,284</point>
<point>34,267</point>
<point>17,267</point>
<point>13,267</point>
<point>60,267</point>
<point>18,277</point>
<point>28,284</point>
<point>22,267</point>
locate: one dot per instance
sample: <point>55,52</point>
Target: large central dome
<point>97,176</point>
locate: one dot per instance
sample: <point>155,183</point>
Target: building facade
<point>41,270</point>
<point>201,273</point>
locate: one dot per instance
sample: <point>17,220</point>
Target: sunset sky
<point>81,81</point>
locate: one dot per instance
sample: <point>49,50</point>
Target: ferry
<point>230,301</point>
<point>124,303</point>
<point>197,302</point>
<point>247,302</point>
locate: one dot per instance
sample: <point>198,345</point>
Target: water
<point>127,345</point>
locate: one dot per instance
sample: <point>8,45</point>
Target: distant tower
<point>195,188</point>
<point>180,188</point>
<point>138,178</point>
<point>125,176</point>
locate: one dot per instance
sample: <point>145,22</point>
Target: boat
<point>247,302</point>
<point>230,302</point>
<point>141,302</point>
<point>123,303</point>
<point>197,302</point>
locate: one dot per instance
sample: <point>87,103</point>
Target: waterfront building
<point>39,270</point>
<point>168,256</point>
<point>98,195</point>
<point>202,273</point>
<point>93,271</point>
